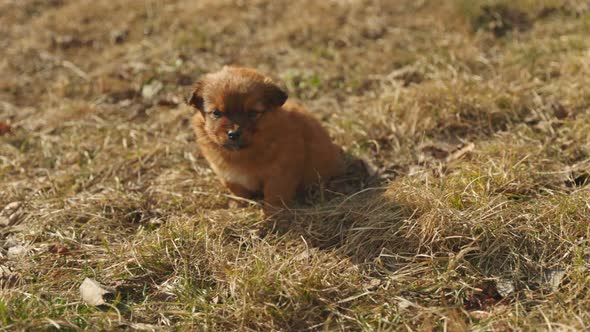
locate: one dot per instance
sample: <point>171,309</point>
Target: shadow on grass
<point>353,215</point>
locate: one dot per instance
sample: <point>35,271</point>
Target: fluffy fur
<point>256,141</point>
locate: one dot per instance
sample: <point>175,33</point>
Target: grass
<point>476,114</point>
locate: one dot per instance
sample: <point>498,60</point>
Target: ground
<point>476,115</point>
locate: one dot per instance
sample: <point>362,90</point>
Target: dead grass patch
<point>475,113</point>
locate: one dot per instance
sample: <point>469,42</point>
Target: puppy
<point>255,141</point>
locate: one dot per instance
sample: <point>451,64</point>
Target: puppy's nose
<point>233,135</point>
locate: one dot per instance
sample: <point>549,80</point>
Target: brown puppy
<point>255,142</point>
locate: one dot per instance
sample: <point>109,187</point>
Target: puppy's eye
<point>252,115</point>
<point>216,114</point>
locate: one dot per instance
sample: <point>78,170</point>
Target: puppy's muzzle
<point>234,140</point>
<point>234,135</point>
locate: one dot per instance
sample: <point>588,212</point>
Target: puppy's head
<point>232,101</point>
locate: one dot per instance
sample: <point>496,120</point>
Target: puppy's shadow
<point>353,214</point>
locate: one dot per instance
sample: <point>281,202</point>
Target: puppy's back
<point>323,159</point>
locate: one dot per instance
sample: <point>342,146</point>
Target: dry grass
<point>477,114</point>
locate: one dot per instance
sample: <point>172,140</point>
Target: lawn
<point>475,116</point>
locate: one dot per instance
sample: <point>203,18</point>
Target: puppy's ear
<point>196,97</point>
<point>274,96</point>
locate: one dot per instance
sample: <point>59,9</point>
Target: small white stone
<point>11,207</point>
<point>148,91</point>
<point>16,251</point>
<point>92,292</point>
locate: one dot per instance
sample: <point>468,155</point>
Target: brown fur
<point>282,147</point>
